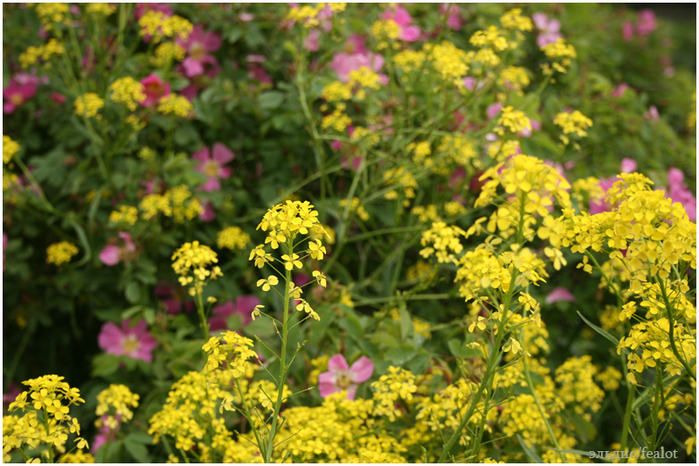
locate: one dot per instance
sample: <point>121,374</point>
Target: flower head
<point>134,342</point>
<point>16,94</point>
<point>242,306</point>
<point>154,88</point>
<point>197,45</point>
<point>402,18</point>
<point>342,377</point>
<point>213,167</point>
<point>113,254</point>
<point>59,253</point>
<point>548,29</point>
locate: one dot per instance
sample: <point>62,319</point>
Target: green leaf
<point>133,292</point>
<point>137,449</point>
<point>400,355</point>
<point>271,100</point>
<point>353,327</point>
<point>459,349</point>
<point>104,365</point>
<point>406,323</point>
<point>601,331</point>
<point>130,312</point>
<point>530,452</point>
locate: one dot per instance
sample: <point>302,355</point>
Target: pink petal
<point>110,255</point>
<point>209,213</point>
<point>539,20</point>
<point>362,369</point>
<point>212,184</point>
<point>337,362</point>
<point>410,34</point>
<point>127,240</point>
<point>192,67</point>
<point>225,309</point>
<point>212,42</point>
<point>225,172</point>
<point>559,294</point>
<point>675,177</point>
<point>172,305</point>
<point>202,155</point>
<point>217,323</point>
<point>110,337</point>
<point>222,154</point>
<point>139,330</point>
<point>245,304</point>
<point>628,165</point>
<point>351,390</point>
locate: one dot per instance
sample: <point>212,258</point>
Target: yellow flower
<point>574,122</point>
<point>272,280</point>
<point>88,105</point>
<point>127,91</point>
<point>176,104</point>
<point>191,262</point>
<point>59,253</point>
<point>232,238</point>
<point>514,120</point>
<point>9,148</point>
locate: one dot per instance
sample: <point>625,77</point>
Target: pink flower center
<point>211,169</point>
<point>343,380</point>
<point>17,99</point>
<point>154,89</point>
<point>197,51</point>
<point>130,344</point>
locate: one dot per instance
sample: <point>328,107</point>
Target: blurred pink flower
<point>209,214</point>
<point>106,434</point>
<point>548,29</point>
<point>401,16</point>
<point>628,165</point>
<point>242,306</point>
<point>678,192</point>
<point>12,391</point>
<point>344,63</point>
<point>652,114</point>
<point>311,43</point>
<point>213,167</point>
<point>627,31</point>
<point>197,45</point>
<point>256,71</point>
<point>559,294</point>
<point>59,98</point>
<point>155,88</point>
<point>141,9</point>
<point>113,254</point>
<point>134,342</point>
<point>646,22</point>
<point>492,110</point>
<point>246,17</point>
<point>16,94</point>
<point>171,299</point>
<point>600,205</point>
<point>454,20</point>
<point>526,132</point>
<point>341,377</point>
<point>619,91</point>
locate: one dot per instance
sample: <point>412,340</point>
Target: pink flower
<point>600,205</point>
<point>652,114</point>
<point>312,43</point>
<point>401,16</point>
<point>246,17</point>
<point>344,63</point>
<point>209,213</point>
<point>678,192</point>
<point>627,31</point>
<point>106,433</point>
<point>646,22</point>
<point>155,88</point>
<point>59,98</point>
<point>492,110</point>
<point>16,94</point>
<point>559,294</point>
<point>256,71</point>
<point>134,342</point>
<point>214,168</point>
<point>454,20</point>
<point>197,45</point>
<point>113,254</point>
<point>12,391</point>
<point>548,29</point>
<point>628,165</point>
<point>526,132</point>
<point>142,8</point>
<point>243,306</point>
<point>619,91</point>
<point>341,377</point>
<point>172,300</point>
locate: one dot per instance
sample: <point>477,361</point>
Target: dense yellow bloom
<point>336,90</point>
<point>514,77</point>
<point>385,29</point>
<point>397,384</point>
<point>365,78</point>
<point>99,9</point>
<point>337,120</point>
<point>574,122</point>
<point>409,60</point>
<point>513,19</point>
<point>442,241</point>
<point>232,238</point>
<point>491,37</point>
<point>192,261</point>
<point>176,104</point>
<point>166,52</point>
<point>355,207</point>
<point>127,91</point>
<point>450,62</point>
<point>402,177</point>
<point>155,23</point>
<point>126,214</point>
<point>514,120</point>
<point>178,203</point>
<point>88,105</point>
<point>115,402</point>
<point>305,14</point>
<point>561,53</point>
<point>9,148</point>
<point>52,13</point>
<point>284,222</point>
<point>59,253</point>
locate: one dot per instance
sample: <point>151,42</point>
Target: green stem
<point>627,417</point>
<point>202,316</point>
<point>671,324</point>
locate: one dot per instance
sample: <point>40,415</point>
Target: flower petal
<point>222,154</point>
<point>362,370</point>
<point>337,362</point>
<point>202,155</point>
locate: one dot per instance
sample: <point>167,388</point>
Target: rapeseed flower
<point>60,253</point>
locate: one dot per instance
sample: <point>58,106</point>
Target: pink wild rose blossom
<point>454,20</point>
<point>646,22</point>
<point>213,167</point>
<point>242,306</point>
<point>678,192</point>
<point>16,94</point>
<point>402,18</point>
<point>134,342</point>
<point>113,254</point>
<point>342,377</point>
<point>548,29</point>
<point>627,31</point>
<point>559,294</point>
<point>198,45</point>
<point>628,165</point>
<point>154,88</point>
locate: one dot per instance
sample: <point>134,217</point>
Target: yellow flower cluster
<point>99,9</point>
<point>492,38</point>
<point>514,120</point>
<point>337,120</point>
<point>232,238</point>
<point>52,13</point>
<point>232,348</point>
<point>116,402</point>
<point>574,122</point>
<point>513,19</point>
<point>562,54</point>
<point>88,105</point>
<point>156,24</point>
<point>191,262</point>
<point>365,78</point>
<point>385,30</point>
<point>397,384</point>
<point>175,104</point>
<point>426,214</point>
<point>450,62</point>
<point>166,52</point>
<point>336,90</point>
<point>59,253</point>
<point>308,15</point>
<point>514,77</point>
<point>409,60</point>
<point>178,203</point>
<point>30,56</point>
<point>442,241</point>
<point>355,207</point>
<point>9,148</point>
<point>48,423</point>
<point>127,91</point>
<point>402,177</point>
<point>126,214</point>
<point>458,151</point>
